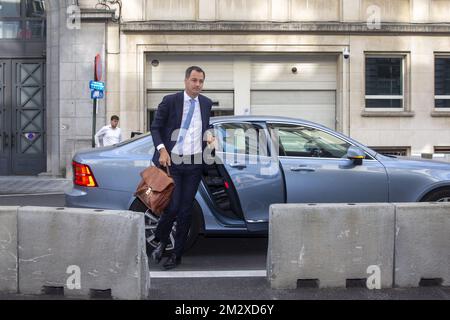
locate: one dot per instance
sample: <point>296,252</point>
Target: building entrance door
<point>22,117</point>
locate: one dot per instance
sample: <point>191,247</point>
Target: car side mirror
<point>356,155</point>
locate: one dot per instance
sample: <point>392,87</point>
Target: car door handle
<point>302,169</point>
<point>238,166</point>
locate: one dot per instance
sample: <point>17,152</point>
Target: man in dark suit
<point>178,130</point>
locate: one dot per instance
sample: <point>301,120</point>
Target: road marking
<point>209,274</point>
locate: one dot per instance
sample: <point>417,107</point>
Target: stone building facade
<point>376,70</point>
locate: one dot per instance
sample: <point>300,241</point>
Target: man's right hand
<point>164,158</point>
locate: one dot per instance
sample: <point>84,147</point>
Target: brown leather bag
<point>155,189</point>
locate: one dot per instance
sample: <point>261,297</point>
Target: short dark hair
<point>194,68</point>
<point>114,117</point>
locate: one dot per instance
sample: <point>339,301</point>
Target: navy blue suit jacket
<point>168,119</point>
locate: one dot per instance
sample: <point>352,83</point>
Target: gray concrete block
<point>330,243</point>
<point>145,272</point>
<point>107,246</point>
<point>422,243</point>
<point>8,250</point>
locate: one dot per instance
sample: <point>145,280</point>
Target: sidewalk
<point>10,185</point>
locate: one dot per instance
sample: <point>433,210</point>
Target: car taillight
<point>227,186</point>
<point>82,175</point>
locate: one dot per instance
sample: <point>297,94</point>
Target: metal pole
<point>94,120</point>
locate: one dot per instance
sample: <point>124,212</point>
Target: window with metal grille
<point>384,83</point>
<point>445,150</point>
<point>442,82</point>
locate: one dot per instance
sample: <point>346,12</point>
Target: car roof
<point>262,118</point>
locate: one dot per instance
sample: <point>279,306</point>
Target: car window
<point>240,138</point>
<point>302,141</point>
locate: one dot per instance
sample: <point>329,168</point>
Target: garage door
<point>300,86</point>
<point>166,72</point>
<point>295,86</point>
<point>316,106</point>
<point>222,100</point>
<point>165,75</point>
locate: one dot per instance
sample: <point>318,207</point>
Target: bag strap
<point>167,170</point>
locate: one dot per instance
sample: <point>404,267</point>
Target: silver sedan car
<point>258,161</point>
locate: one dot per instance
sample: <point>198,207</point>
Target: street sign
<point>97,94</point>
<point>97,85</point>
<point>97,90</point>
<point>98,68</point>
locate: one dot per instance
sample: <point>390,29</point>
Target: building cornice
<point>97,14</point>
<point>306,27</point>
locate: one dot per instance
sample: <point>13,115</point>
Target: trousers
<point>187,178</point>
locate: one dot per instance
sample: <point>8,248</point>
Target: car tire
<point>151,221</point>
<point>442,195</point>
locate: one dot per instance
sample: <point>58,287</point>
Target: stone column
<point>70,61</point>
<point>52,87</point>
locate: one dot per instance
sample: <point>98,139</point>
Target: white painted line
<point>209,274</point>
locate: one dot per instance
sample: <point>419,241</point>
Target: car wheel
<point>151,222</point>
<point>442,195</point>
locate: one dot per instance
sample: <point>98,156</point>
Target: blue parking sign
<point>96,94</point>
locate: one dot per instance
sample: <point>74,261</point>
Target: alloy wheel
<point>151,222</point>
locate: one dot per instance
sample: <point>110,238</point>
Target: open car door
<point>242,150</point>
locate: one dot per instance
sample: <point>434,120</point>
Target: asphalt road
<point>231,269</point>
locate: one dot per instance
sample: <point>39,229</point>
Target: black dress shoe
<point>172,262</point>
<point>158,252</point>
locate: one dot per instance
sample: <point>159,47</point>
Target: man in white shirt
<point>109,134</point>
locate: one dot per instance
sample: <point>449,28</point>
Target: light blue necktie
<point>185,126</point>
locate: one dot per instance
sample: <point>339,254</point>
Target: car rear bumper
<point>81,197</point>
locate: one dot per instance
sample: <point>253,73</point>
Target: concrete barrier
<point>422,243</point>
<point>82,252</point>
<point>8,249</point>
<point>330,243</point>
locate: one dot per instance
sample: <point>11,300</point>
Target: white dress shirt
<point>108,135</point>
<point>193,138</point>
